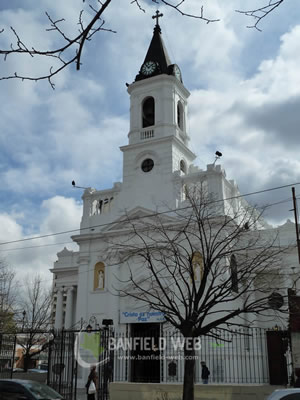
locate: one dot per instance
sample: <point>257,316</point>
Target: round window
<point>147,165</point>
<point>275,301</point>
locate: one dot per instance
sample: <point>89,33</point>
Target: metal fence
<point>106,364</point>
<point>239,357</point>
<point>62,364</point>
<point>7,354</point>
<point>58,355</point>
<point>232,358</point>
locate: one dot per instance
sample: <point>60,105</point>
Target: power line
<point>96,251</point>
<point>92,269</point>
<point>147,216</point>
<point>38,246</point>
<point>69,242</point>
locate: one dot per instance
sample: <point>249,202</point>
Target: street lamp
<point>107,322</point>
<point>23,320</point>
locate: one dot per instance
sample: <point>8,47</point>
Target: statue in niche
<point>101,279</point>
<point>198,267</point>
<point>198,272</point>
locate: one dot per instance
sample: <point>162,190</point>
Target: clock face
<point>177,72</point>
<point>148,68</point>
<point>147,165</point>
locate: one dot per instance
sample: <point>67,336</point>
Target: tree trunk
<point>189,374</point>
<point>26,361</point>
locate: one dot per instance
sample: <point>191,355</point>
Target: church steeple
<point>157,60</point>
<point>157,153</point>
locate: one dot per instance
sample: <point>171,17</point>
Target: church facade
<point>157,169</point>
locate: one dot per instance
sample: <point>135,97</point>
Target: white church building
<point>157,168</point>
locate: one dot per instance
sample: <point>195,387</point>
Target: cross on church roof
<point>157,16</point>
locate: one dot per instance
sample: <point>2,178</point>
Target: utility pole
<point>296,221</point>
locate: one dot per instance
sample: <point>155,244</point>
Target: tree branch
<point>59,54</point>
<point>259,13</point>
<point>177,8</point>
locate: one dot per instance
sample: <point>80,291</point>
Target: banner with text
<point>132,317</point>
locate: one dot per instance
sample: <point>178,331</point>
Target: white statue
<point>198,272</point>
<point>101,280</point>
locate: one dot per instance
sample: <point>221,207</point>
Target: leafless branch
<point>70,51</point>
<point>177,8</point>
<point>167,248</point>
<point>138,4</point>
<point>36,304</point>
<point>61,54</point>
<point>8,294</point>
<point>259,13</point>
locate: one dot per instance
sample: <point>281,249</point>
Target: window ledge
<point>97,291</point>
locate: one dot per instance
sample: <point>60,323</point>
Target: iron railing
<point>238,357</point>
<point>62,364</point>
<point>7,355</point>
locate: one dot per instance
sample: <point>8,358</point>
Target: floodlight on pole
<point>78,187</point>
<point>218,155</point>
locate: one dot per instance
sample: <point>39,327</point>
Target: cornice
<point>159,140</point>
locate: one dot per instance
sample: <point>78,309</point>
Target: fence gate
<point>62,364</point>
<point>277,345</point>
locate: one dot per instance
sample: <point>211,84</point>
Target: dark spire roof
<point>158,54</point>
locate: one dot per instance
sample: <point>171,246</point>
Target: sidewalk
<point>81,394</point>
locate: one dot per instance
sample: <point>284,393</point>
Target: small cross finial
<point>157,16</point>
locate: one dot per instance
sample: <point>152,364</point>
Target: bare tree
<point>90,22</point>
<point>209,268</point>
<point>7,297</point>
<point>36,303</point>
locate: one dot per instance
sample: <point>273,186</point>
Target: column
<point>59,309</point>
<point>69,308</point>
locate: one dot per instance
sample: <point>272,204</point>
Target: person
<point>205,373</point>
<point>91,385</point>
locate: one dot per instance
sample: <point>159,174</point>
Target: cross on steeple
<point>157,16</point>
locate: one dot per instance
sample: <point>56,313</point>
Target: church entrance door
<point>145,363</point>
<point>277,346</point>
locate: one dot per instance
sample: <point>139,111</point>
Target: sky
<point>244,102</point>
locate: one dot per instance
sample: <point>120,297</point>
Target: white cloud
<point>11,230</point>
<point>254,123</point>
<point>56,214</point>
<point>49,138</point>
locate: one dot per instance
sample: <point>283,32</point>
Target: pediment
<point>65,253</point>
<point>288,225</point>
<point>138,216</point>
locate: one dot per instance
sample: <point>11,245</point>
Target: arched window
<point>148,111</point>
<point>234,274</point>
<point>198,266</point>
<point>99,276</point>
<point>182,166</point>
<point>180,115</point>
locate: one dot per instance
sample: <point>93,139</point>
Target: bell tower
<point>158,138</point>
<point>158,98</point>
